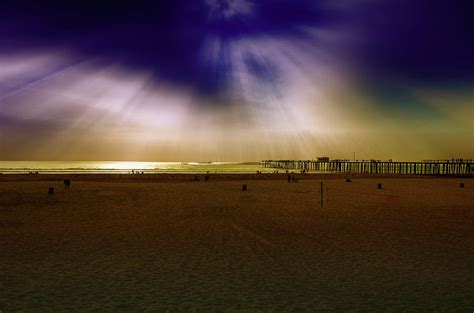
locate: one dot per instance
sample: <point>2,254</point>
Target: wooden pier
<point>463,168</point>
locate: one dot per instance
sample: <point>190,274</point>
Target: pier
<point>459,167</point>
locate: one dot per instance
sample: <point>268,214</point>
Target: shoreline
<point>165,177</point>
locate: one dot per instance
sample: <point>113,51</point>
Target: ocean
<point>121,167</point>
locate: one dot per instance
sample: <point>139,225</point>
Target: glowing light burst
<point>93,98</point>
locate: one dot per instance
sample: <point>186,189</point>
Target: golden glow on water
<point>120,165</point>
<point>126,167</point>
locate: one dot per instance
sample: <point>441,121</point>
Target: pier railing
<point>442,168</point>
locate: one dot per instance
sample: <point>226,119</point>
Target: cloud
<point>226,81</point>
<point>226,9</point>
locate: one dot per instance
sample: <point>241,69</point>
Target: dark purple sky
<point>422,39</point>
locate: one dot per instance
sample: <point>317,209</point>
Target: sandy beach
<point>152,243</point>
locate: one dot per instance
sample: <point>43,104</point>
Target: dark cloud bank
<point>424,40</point>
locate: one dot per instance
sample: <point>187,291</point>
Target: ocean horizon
<point>124,167</point>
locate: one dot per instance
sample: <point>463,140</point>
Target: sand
<point>152,243</point>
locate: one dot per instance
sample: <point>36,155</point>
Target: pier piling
<point>460,167</point>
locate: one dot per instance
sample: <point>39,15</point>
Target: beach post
<point>51,191</point>
<point>244,187</point>
<point>67,184</point>
<point>461,185</point>
<point>322,194</point>
<point>380,186</point>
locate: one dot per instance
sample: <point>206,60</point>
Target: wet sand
<point>151,243</point>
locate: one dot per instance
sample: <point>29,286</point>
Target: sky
<point>236,80</point>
